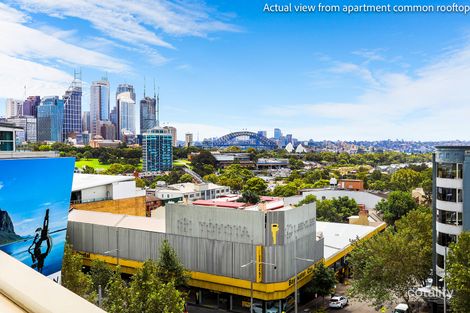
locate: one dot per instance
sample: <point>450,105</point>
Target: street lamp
<point>253,262</point>
<point>117,254</point>
<point>295,269</point>
<point>443,279</point>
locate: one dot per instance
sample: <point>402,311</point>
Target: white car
<point>338,302</point>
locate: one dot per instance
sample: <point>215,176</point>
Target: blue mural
<point>34,205</point>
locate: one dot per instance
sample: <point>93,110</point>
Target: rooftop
<point>22,289</point>
<point>85,181</point>
<point>338,236</point>
<point>118,220</point>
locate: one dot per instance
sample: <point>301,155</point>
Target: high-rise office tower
<point>451,201</point>
<point>125,113</point>
<point>277,133</point>
<point>172,131</point>
<point>50,119</point>
<point>86,121</point>
<point>125,88</point>
<point>14,108</point>
<point>29,125</point>
<point>157,150</point>
<point>188,139</point>
<point>263,133</point>
<point>148,114</point>
<point>108,130</point>
<point>289,138</point>
<point>30,105</point>
<point>73,110</point>
<point>99,105</point>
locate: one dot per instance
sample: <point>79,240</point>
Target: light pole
<point>295,269</point>
<point>117,247</point>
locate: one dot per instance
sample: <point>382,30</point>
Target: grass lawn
<point>182,162</point>
<point>95,163</point>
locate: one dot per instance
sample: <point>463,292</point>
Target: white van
<point>401,308</point>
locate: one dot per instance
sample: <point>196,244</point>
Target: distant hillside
<point>7,230</point>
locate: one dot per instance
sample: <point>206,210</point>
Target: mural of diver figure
<point>42,235</point>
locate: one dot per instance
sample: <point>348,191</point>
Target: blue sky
<point>27,189</point>
<point>225,65</point>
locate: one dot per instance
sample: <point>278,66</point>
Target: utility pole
<point>295,269</point>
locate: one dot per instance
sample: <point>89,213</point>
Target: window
<point>447,217</point>
<point>447,170</point>
<point>6,141</point>
<point>440,261</point>
<point>445,239</point>
<point>447,194</point>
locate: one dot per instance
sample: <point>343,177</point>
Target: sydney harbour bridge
<point>243,140</point>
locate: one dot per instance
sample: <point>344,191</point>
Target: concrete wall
<point>95,193</point>
<point>122,190</point>
<point>361,197</point>
<point>130,206</point>
<point>215,223</point>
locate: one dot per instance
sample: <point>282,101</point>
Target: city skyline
<point>224,66</point>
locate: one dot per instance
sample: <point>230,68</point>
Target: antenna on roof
<point>157,99</point>
<point>144,87</point>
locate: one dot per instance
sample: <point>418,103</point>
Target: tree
<point>88,170</point>
<point>200,162</point>
<point>72,276</point>
<point>323,281</point>
<point>118,298</point>
<point>389,264</point>
<point>139,182</point>
<point>169,266</point>
<point>235,176</point>
<point>307,199</point>
<point>295,164</point>
<point>149,294</point>
<point>249,197</point>
<point>405,179</point>
<point>285,190</point>
<point>100,274</point>
<point>458,273</point>
<point>186,178</point>
<point>397,205</point>
<point>336,210</point>
<point>256,185</point>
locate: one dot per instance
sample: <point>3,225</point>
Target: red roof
<point>222,204</point>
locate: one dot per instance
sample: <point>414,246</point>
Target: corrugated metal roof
<point>85,181</point>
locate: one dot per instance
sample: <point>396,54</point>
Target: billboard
<point>34,205</point>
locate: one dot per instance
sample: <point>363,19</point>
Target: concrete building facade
<point>451,213</point>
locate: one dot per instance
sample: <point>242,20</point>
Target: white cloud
<point>430,104</point>
<point>137,22</point>
<point>1,185</point>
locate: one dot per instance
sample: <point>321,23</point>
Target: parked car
<point>338,302</point>
<point>401,308</point>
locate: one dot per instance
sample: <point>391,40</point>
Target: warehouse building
<point>225,247</point>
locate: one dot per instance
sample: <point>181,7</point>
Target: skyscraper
<point>157,150</point>
<point>148,114</point>
<point>277,133</point>
<point>125,88</point>
<point>451,201</point>
<point>86,121</point>
<point>14,108</point>
<point>188,139</point>
<point>99,105</point>
<point>30,105</point>
<point>29,125</point>
<point>172,131</point>
<point>50,119</point>
<point>72,111</point>
<point>125,113</point>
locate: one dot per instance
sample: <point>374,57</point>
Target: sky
<point>224,65</point>
<point>27,189</point>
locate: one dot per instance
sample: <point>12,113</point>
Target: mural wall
<point>34,204</point>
